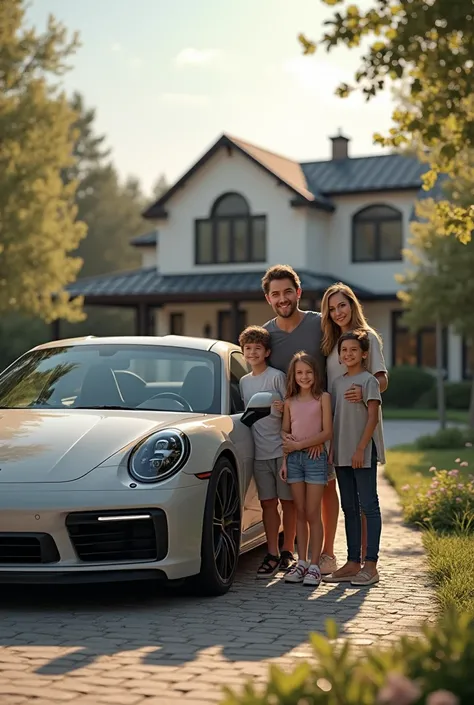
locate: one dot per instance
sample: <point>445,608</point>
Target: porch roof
<point>150,284</point>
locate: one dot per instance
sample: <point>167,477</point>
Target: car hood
<point>60,446</point>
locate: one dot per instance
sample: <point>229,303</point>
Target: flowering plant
<point>447,504</point>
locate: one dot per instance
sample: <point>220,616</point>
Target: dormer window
<point>377,235</point>
<point>231,234</point>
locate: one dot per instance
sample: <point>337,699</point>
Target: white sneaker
<point>297,574</point>
<point>327,565</point>
<point>313,576</point>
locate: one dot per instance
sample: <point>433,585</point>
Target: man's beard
<point>289,311</point>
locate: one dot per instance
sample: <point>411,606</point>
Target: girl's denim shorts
<point>302,468</point>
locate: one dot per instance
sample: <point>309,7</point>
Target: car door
<point>241,437</point>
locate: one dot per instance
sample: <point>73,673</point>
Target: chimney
<point>340,145</point>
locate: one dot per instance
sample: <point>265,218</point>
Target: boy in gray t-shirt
<point>255,344</point>
<point>357,445</point>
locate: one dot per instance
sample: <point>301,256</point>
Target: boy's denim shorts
<point>302,468</point>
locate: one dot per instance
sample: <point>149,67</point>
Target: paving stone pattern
<point>131,646</point>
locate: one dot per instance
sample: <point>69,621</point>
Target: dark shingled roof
<point>385,172</point>
<point>145,240</point>
<point>149,282</point>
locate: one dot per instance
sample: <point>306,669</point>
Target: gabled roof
<point>384,172</point>
<point>286,171</point>
<point>145,240</point>
<point>149,282</point>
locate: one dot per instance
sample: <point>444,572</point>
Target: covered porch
<point>215,305</point>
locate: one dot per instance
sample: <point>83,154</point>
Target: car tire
<point>221,531</point>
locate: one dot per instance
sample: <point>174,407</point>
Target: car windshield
<point>146,377</point>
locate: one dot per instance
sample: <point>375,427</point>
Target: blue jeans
<point>358,489</point>
<point>301,468</point>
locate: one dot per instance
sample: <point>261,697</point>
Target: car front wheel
<point>221,531</point>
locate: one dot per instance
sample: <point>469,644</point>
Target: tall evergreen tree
<point>39,231</point>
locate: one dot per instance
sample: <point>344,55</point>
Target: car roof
<point>178,341</point>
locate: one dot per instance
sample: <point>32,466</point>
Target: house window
<point>176,323</point>
<point>418,348</point>
<point>224,325</point>
<point>377,235</point>
<point>231,234</point>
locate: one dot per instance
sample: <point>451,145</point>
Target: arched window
<point>231,234</point>
<point>377,235</point>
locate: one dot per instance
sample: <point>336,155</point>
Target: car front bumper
<point>61,535</point>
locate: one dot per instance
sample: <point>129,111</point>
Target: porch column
<point>235,321</point>
<point>56,329</point>
<point>142,319</point>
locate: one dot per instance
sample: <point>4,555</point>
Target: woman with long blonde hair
<point>341,312</point>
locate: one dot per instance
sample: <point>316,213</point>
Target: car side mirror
<point>259,406</point>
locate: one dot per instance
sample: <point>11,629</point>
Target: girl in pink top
<point>307,422</point>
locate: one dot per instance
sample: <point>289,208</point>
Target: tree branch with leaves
<point>429,45</point>
<point>438,284</point>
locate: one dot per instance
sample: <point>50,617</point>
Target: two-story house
<point>240,209</point>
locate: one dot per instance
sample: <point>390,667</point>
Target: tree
<point>428,44</point>
<point>112,213</point>
<point>439,285</point>
<point>89,149</point>
<point>38,225</point>
<point>160,187</point>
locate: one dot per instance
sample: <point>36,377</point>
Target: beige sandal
<point>341,579</point>
<point>363,577</point>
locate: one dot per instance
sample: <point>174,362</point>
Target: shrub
<point>457,396</point>
<point>409,672</point>
<point>446,439</point>
<point>447,505</point>
<point>406,385</point>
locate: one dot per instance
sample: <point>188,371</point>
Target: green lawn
<point>406,464</point>
<point>423,415</point>
<point>450,557</point>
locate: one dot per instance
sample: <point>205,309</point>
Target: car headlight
<point>159,456</point>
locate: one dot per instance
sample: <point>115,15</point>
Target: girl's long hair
<point>331,331</point>
<point>292,388</point>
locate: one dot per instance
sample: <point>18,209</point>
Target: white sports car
<point>127,458</point>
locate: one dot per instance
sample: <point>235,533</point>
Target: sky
<point>167,79</point>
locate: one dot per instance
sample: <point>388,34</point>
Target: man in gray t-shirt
<point>305,336</point>
<point>291,331</point>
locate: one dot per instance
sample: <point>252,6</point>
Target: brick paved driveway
<point>131,646</point>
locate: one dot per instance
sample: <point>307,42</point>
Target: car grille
<point>138,535</point>
<point>23,547</point>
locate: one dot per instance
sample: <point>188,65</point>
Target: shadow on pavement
<point>255,621</point>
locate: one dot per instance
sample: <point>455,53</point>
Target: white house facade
<point>240,209</point>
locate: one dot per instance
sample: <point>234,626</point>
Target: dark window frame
<point>377,221</point>
<point>232,220</point>
<point>173,319</point>
<point>395,317</point>
<point>225,315</point>
<point>464,359</point>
